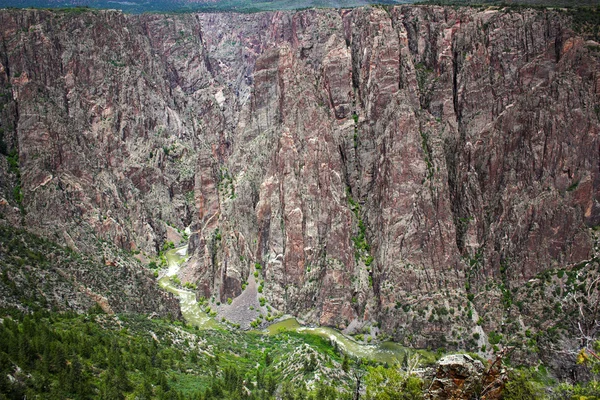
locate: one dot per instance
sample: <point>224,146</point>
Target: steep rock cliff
<point>410,167</point>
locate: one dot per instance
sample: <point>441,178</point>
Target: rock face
<point>457,377</point>
<point>37,274</point>
<point>460,377</point>
<point>408,166</point>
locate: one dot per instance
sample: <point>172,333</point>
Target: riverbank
<point>195,315</point>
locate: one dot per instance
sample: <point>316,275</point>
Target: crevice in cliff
<point>344,160</point>
<point>455,99</point>
<point>558,43</point>
<point>7,68</point>
<point>397,28</point>
<point>355,62</point>
<point>5,58</point>
<point>9,138</point>
<point>205,56</point>
<point>452,146</point>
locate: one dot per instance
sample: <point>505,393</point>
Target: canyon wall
<point>408,168</point>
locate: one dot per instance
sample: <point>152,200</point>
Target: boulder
<point>457,377</point>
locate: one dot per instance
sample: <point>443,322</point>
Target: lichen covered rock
<point>457,377</point>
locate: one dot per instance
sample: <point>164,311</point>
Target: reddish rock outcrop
<point>381,164</point>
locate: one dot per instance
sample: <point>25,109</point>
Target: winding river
<point>389,352</point>
<point>191,310</point>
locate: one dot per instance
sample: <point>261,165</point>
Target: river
<point>193,313</point>
<point>191,310</point>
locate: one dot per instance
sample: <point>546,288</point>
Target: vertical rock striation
<point>382,165</point>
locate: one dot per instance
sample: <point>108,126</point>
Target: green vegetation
<point>36,273</point>
<point>504,287</point>
<point>425,82</point>
<point>94,355</point>
<point>573,186</point>
<point>355,137</point>
<point>75,10</point>
<point>13,168</point>
<point>521,386</point>
<point>226,184</point>
<point>392,383</point>
<point>361,246</point>
<point>176,280</point>
<point>57,356</point>
<point>162,256</point>
<point>494,337</point>
<point>513,5</point>
<point>586,22</point>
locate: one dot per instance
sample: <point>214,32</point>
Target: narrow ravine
<point>191,310</point>
<point>389,352</point>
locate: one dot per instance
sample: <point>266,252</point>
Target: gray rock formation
<point>457,377</point>
<point>410,166</point>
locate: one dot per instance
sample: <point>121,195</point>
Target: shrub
<point>520,387</point>
<point>392,383</point>
<point>494,338</point>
